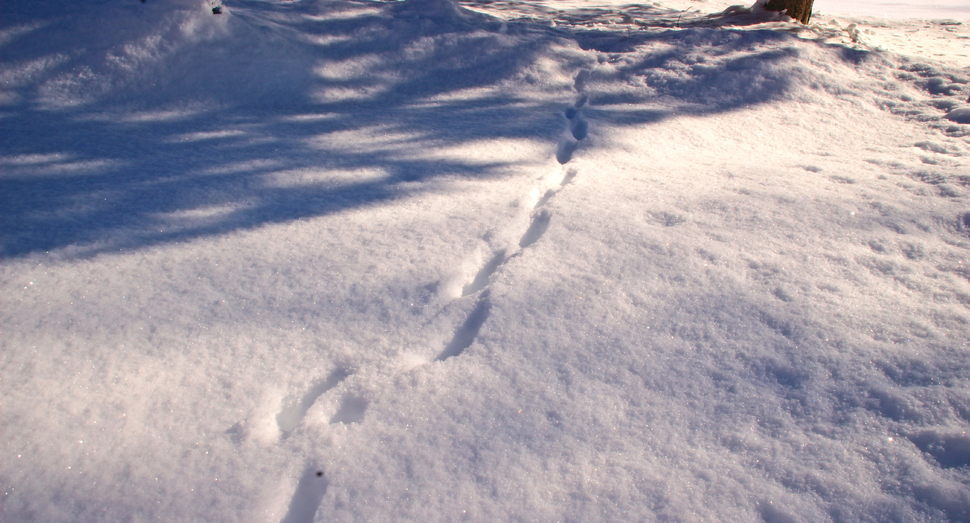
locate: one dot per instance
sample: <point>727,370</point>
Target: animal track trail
<point>578,129</point>
<point>313,484</point>
<point>468,332</point>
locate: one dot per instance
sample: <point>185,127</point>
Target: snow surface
<point>932,9</point>
<point>344,260</point>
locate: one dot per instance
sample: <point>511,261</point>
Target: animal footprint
<point>581,79</point>
<point>564,153</point>
<point>481,279</point>
<point>568,178</point>
<point>578,128</point>
<point>290,417</point>
<point>466,334</point>
<point>540,222</point>
<point>351,410</point>
<point>309,492</point>
<point>545,198</point>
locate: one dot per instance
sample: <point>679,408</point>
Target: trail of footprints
<point>313,483</point>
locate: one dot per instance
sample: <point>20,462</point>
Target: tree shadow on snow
<point>317,110</point>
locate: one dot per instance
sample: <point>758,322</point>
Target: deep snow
<point>511,261</point>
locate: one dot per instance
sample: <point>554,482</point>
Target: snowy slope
<point>504,261</point>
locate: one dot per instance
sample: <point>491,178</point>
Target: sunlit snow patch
<point>206,135</point>
<point>200,216</point>
<point>313,176</point>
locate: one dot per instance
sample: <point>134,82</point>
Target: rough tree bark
<point>800,10</point>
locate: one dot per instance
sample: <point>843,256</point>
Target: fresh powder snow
<point>484,260</point>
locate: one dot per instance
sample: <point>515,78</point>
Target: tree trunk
<point>800,10</point>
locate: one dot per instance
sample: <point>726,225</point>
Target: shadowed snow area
<point>312,260</point>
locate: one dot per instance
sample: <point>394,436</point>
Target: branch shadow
<point>332,108</point>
